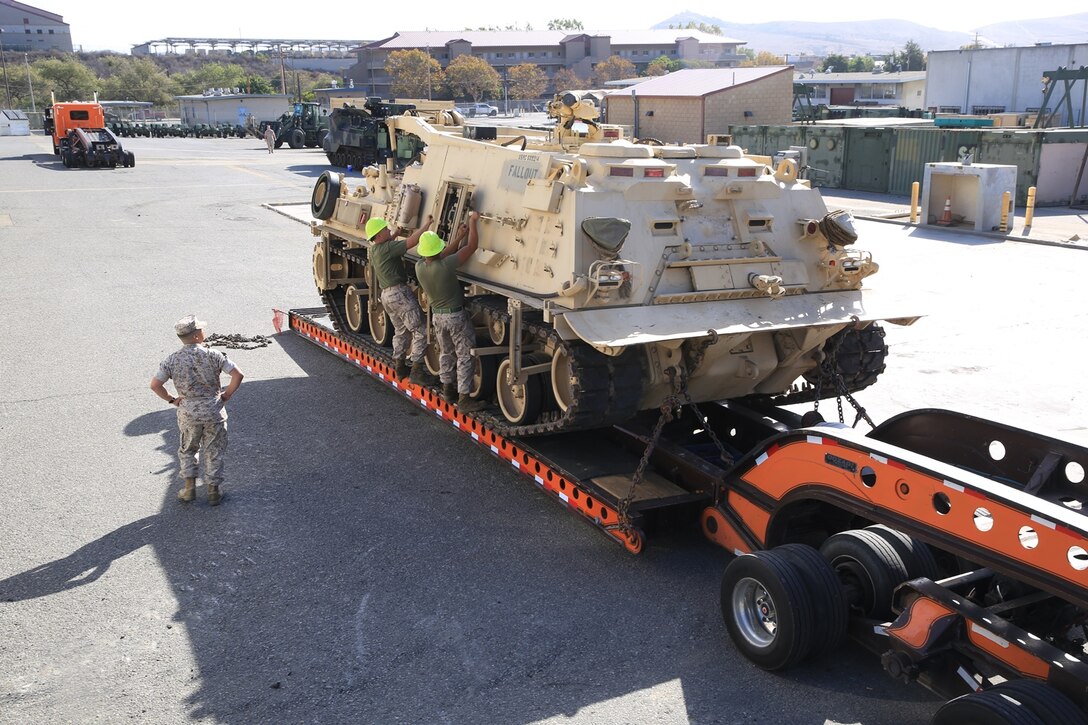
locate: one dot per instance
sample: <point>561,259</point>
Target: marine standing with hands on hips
<point>437,273</point>
<point>386,255</point>
<point>202,417</point>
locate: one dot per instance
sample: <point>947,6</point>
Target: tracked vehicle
<point>613,276</point>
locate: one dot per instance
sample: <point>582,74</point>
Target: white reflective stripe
<point>878,459</point>
<point>954,486</point>
<point>880,630</point>
<point>539,480</point>
<point>971,682</point>
<point>438,412</point>
<point>516,465</point>
<point>493,449</point>
<point>761,459</point>
<point>817,440</point>
<point>564,498</point>
<point>989,635</point>
<point>1044,522</point>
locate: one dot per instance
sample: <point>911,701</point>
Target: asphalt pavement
<point>369,564</point>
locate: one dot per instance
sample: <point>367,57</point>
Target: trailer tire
<point>916,555</point>
<point>130,159</point>
<point>768,609</point>
<point>296,139</point>
<point>984,708</point>
<point>326,192</point>
<point>869,568</point>
<point>827,594</point>
<point>1051,706</point>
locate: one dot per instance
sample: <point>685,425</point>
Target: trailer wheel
<point>66,158</point>
<point>130,159</point>
<point>484,374</point>
<point>916,556</point>
<point>1051,706</point>
<point>296,139</point>
<point>984,708</point>
<point>869,569</point>
<point>828,596</point>
<point>768,609</point>
<point>323,199</point>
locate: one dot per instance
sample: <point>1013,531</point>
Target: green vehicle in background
<point>305,125</point>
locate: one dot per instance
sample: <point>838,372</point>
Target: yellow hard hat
<point>373,226</point>
<point>430,244</point>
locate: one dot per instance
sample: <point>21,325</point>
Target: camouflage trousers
<point>210,440</point>
<point>456,338</point>
<point>402,309</point>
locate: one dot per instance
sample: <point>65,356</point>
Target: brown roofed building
<point>549,49</point>
<point>687,105</point>
<point>25,28</point>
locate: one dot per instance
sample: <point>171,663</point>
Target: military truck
<point>305,125</point>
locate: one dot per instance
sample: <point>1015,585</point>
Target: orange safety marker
<point>946,217</point>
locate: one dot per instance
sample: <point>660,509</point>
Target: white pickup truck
<point>478,109</point>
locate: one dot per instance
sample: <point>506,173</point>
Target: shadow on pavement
<point>370,565</point>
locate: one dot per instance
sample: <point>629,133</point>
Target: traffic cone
<point>946,217</point>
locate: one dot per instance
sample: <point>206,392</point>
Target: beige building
<point>549,49</point>
<point>687,105</point>
<point>906,88</point>
<point>25,28</point>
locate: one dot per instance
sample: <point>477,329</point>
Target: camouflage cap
<point>188,325</point>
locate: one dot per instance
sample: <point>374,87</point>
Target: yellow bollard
<point>1005,199</point>
<point>914,202</point>
<point>1029,210</point>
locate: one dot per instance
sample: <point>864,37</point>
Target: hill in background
<point>878,37</point>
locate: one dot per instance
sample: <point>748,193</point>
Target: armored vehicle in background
<point>305,125</point>
<point>613,277</point>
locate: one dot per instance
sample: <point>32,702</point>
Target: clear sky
<point>120,24</point>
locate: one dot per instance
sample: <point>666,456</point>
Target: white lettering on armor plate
<point>517,172</point>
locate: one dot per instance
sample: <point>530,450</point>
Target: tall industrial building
<point>24,27</point>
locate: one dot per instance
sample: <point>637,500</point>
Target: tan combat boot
<point>214,497</point>
<point>188,493</point>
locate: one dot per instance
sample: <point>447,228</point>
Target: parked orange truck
<point>80,136</point>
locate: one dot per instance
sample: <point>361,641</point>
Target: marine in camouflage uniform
<point>202,417</point>
<point>399,302</point>
<point>437,274</point>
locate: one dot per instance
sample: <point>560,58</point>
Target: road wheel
<point>984,708</point>
<point>354,305</point>
<point>827,595</point>
<point>562,378</point>
<point>484,373</point>
<point>296,139</point>
<point>1048,704</point>
<point>869,569</point>
<point>521,404</point>
<point>326,192</point>
<point>768,609</point>
<point>321,267</point>
<point>916,556</point>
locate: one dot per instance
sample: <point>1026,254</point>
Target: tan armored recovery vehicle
<point>611,276</point>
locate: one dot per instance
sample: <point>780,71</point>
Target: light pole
<point>4,61</point>
<point>30,84</point>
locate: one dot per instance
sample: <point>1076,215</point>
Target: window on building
<point>50,31</point>
<point>28,31</point>
<point>26,21</point>
<point>39,31</point>
<point>532,54</point>
<point>983,110</point>
<point>949,109</point>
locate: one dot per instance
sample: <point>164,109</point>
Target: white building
<point>217,108</point>
<point>1002,80</point>
<point>906,88</point>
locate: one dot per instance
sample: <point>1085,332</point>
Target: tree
<point>527,81</point>
<point>414,74</point>
<point>861,64</point>
<point>211,75</point>
<point>258,85</point>
<point>702,27</point>
<point>910,58</point>
<point>567,80</point>
<point>659,66</point>
<point>613,69</point>
<point>565,24</point>
<point>763,58</point>
<point>138,79</point>
<point>470,76</point>
<point>835,63</point>
<point>66,78</point>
